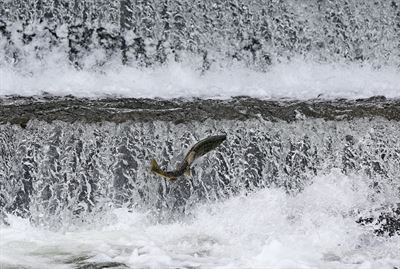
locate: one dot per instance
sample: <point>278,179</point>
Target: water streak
<point>257,33</point>
<point>61,173</point>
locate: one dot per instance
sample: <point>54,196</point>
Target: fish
<point>196,151</point>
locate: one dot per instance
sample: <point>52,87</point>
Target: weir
<point>303,178</point>
<point>61,171</point>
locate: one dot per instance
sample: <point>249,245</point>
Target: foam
<point>264,229</point>
<point>298,79</point>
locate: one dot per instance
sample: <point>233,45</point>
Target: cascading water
<point>297,184</point>
<point>55,173</point>
<point>66,176</point>
<point>93,34</point>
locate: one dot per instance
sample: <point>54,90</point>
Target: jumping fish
<point>199,149</point>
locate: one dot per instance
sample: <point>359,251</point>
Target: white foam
<point>266,229</point>
<point>295,80</point>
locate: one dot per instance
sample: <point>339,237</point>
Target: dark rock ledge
<point>19,110</point>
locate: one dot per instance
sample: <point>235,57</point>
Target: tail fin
<point>156,169</point>
<point>154,166</point>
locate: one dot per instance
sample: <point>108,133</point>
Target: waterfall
<point>257,33</point>
<point>58,172</point>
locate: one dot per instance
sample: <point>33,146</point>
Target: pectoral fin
<point>188,172</point>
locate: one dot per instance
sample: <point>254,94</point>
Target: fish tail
<point>154,166</point>
<point>156,169</point>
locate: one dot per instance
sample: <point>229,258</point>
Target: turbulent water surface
<point>305,178</point>
<point>306,194</point>
<point>197,48</point>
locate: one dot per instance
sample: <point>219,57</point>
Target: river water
<point>305,179</point>
<point>273,195</point>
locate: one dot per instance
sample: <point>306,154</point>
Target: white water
<point>295,80</point>
<point>266,229</point>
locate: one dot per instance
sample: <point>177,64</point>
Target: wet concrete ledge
<point>19,110</point>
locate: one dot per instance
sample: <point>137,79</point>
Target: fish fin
<point>156,169</point>
<point>188,172</point>
<point>190,157</point>
<point>154,166</point>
